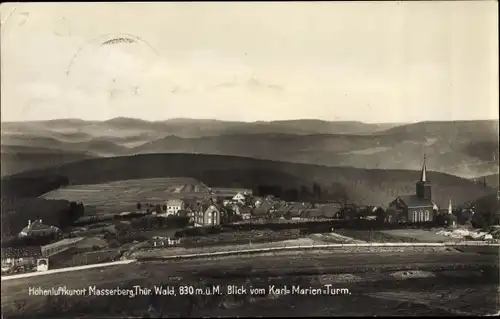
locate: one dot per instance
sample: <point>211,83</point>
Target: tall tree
<point>317,191</point>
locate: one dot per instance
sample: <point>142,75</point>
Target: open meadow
<point>124,195</point>
<point>420,235</point>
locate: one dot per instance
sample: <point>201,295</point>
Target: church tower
<point>424,190</point>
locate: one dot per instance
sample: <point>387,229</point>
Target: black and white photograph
<point>249,159</point>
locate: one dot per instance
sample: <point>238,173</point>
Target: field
<point>376,236</point>
<point>419,235</point>
<point>124,195</point>
<point>383,284</point>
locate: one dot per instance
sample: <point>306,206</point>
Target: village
<point>226,216</point>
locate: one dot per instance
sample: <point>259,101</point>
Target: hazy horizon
<point>250,122</point>
<point>370,62</point>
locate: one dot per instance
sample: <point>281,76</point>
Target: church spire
<point>423,176</point>
<point>450,209</point>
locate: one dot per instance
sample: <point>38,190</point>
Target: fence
<point>174,253</point>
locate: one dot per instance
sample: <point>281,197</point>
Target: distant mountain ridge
<point>206,127</point>
<point>463,148</point>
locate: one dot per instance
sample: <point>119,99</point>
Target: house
<point>415,208</point>
<point>208,214</point>
<point>164,241</point>
<point>25,257</point>
<point>37,229</point>
<point>241,198</point>
<point>173,206</point>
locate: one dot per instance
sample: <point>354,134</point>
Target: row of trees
<point>303,192</point>
<point>152,208</point>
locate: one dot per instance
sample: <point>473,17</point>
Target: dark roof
<point>37,226</point>
<point>204,204</point>
<point>213,208</point>
<point>329,203</point>
<point>263,209</point>
<point>246,209</point>
<point>191,202</point>
<point>21,252</point>
<point>414,201</point>
<point>283,209</point>
<point>299,208</point>
<point>330,214</point>
<point>329,209</point>
<point>312,213</point>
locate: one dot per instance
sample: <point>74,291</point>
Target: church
<point>414,208</point>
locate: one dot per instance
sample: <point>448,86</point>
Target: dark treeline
<point>20,203</point>
<point>15,186</point>
<point>310,193</point>
<point>151,222</point>
<point>16,212</point>
<point>29,241</point>
<point>138,220</point>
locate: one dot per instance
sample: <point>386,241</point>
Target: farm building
<point>25,257</point>
<point>38,229</point>
<point>60,246</point>
<point>173,206</point>
<point>414,208</point>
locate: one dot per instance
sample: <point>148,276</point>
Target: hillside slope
<point>491,180</point>
<point>363,186</point>
<point>16,159</point>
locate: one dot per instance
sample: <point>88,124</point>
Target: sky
<point>337,61</point>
